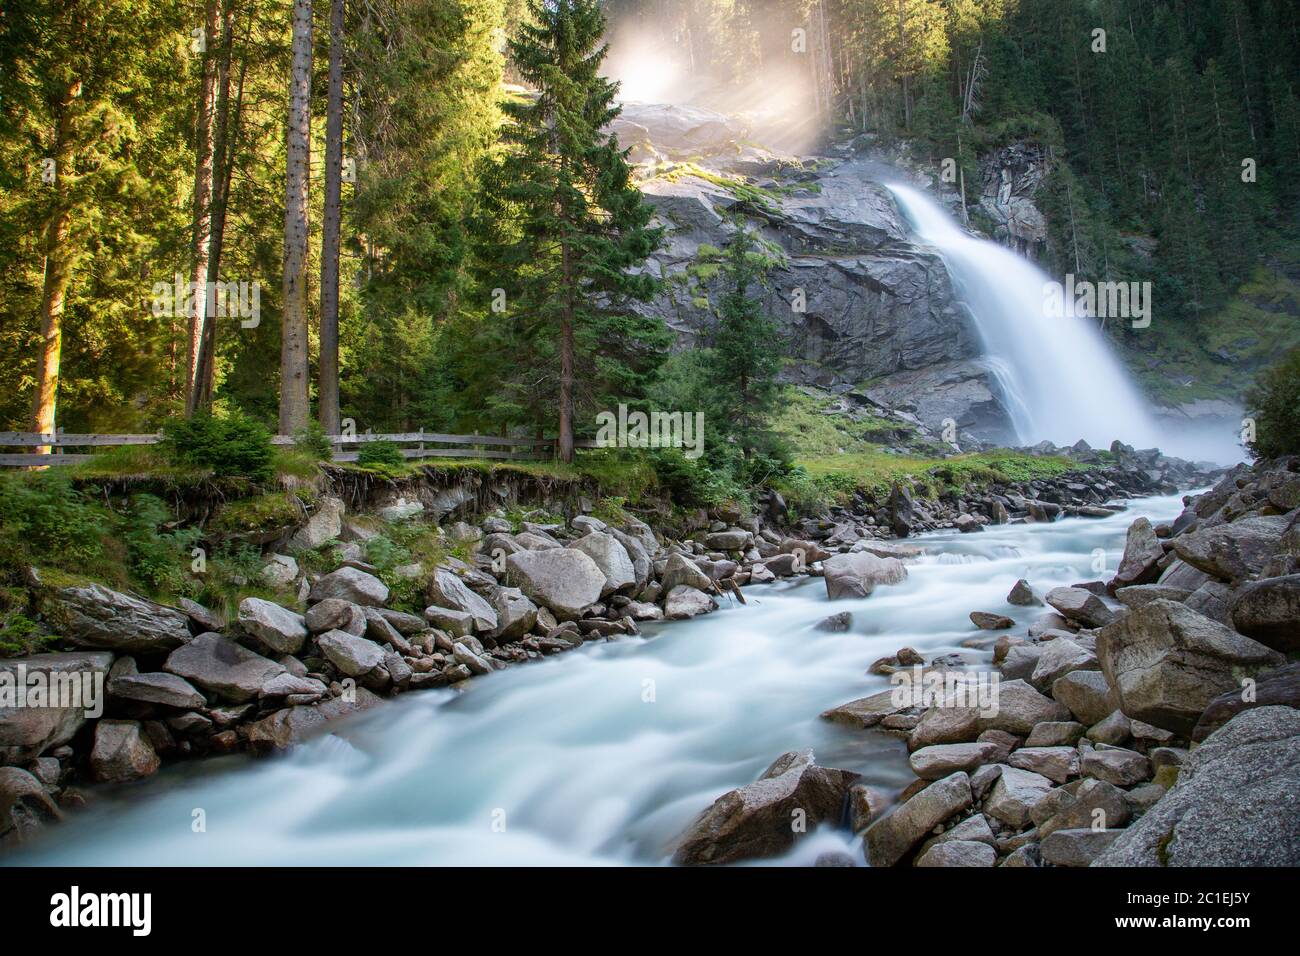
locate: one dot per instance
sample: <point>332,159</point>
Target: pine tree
<point>571,227</point>
<point>746,353</point>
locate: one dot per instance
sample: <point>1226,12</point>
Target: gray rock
<point>93,616</point>
<point>1142,554</point>
<point>1139,594</point>
<point>1167,662</point>
<point>1280,686</point>
<point>856,574</point>
<point>280,571</point>
<point>157,688</point>
<point>1076,847</point>
<point>1114,729</point>
<point>516,615</point>
<point>836,623</point>
<point>1014,796</point>
<point>477,663</point>
<point>732,539</point>
<point>958,853</point>
<point>1060,657</point>
<point>865,711</point>
<point>456,623</point>
<point>1115,765</point>
<point>1081,606</point>
<point>350,584</point>
<point>446,589</point>
<point>352,655</point>
<point>291,726</point>
<point>565,580</point>
<point>611,558</point>
<point>1236,802</point>
<point>1092,803</point>
<point>122,752</point>
<point>1022,595</point>
<point>278,628</point>
<point>755,821</point>
<point>1232,552</point>
<point>28,732</point>
<point>25,806</point>
<point>335,614</point>
<point>987,621</point>
<point>219,665</point>
<point>679,570</point>
<point>942,760</point>
<point>684,602</point>
<point>1058,764</point>
<point>890,838</point>
<point>1268,610</point>
<point>1055,733</point>
<point>642,565</point>
<point>1018,707</point>
<point>325,524</point>
<point>1087,695</point>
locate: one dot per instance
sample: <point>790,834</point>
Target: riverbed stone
<point>217,664</point>
<point>612,559</point>
<point>25,805</point>
<point>942,760</point>
<point>1236,801</point>
<point>1268,610</point>
<point>1081,606</point>
<point>335,614</point>
<point>1277,687</point>
<point>1076,847</point>
<point>95,617</point>
<point>1055,733</point>
<point>1137,595</point>
<point>446,589</point>
<point>684,602</point>
<point>1015,794</point>
<point>1022,595</point>
<point>865,711</point>
<point>565,580</point>
<point>1167,662</point>
<point>679,570</point>
<point>294,725</point>
<point>1116,765</point>
<point>1235,551</point>
<point>277,627</point>
<point>1142,553</point>
<point>754,821</point>
<point>350,584</point>
<point>857,574</point>
<point>1086,694</point>
<point>28,732</point>
<point>988,621</point>
<point>1018,707</point>
<point>1060,657</point>
<point>352,655</point>
<point>958,853</point>
<point>122,752</point>
<point>157,688</point>
<point>1090,803</point>
<point>889,839</point>
<point>1057,764</point>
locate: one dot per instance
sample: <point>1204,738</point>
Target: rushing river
<point>598,756</point>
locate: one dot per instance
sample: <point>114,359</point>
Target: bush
<point>156,558</point>
<point>1275,399</point>
<point>232,445</point>
<point>385,453</point>
<point>44,520</point>
<point>313,441</point>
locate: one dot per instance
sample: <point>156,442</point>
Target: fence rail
<point>467,446</point>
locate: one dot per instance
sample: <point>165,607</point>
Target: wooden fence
<point>66,448</point>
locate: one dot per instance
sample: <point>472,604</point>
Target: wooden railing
<point>426,445</point>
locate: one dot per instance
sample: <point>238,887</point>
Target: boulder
<point>280,571</point>
<point>456,623</point>
<point>1090,803</point>
<point>1022,595</point>
<point>754,821</point>
<point>324,525</point>
<point>1060,657</point>
<point>565,580</point>
<point>1138,594</point>
<point>516,615</point>
<point>1087,695</point>
<point>1015,794</point>
<point>1017,708</point>
<point>942,760</point>
<point>1082,607</point>
<point>733,539</point>
<point>642,564</point>
<point>835,623</point>
<point>901,510</point>
<point>290,726</point>
<point>1236,802</point>
<point>27,732</point>
<point>1269,611</point>
<point>889,839</point>
<point>1076,847</point>
<point>122,752</point>
<point>350,584</point>
<point>1167,662</point>
<point>1232,552</point>
<point>278,628</point>
<point>865,711</point>
<point>1279,687</point>
<point>335,614</point>
<point>157,688</point>
<point>25,806</point>
<point>1055,733</point>
<point>958,853</point>
<point>1142,554</point>
<point>1057,764</point>
<point>987,621</point>
<point>1115,765</point>
<point>219,665</point>
<point>93,616</point>
<point>611,558</point>
<point>679,570</point>
<point>684,602</point>
<point>446,589</point>
<point>856,574</point>
<point>352,655</point>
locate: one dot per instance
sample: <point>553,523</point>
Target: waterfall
<point>1059,377</point>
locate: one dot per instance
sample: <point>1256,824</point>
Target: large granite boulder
<point>1236,802</point>
<point>219,665</point>
<point>122,752</point>
<point>856,574</point>
<point>277,627</point>
<point>446,589</point>
<point>350,584</point>
<point>93,616</point>
<point>325,524</point>
<point>1269,611</point>
<point>758,820</point>
<point>1166,662</point>
<point>612,559</point>
<point>27,732</point>
<point>565,580</point>
<point>1142,554</point>
<point>352,655</point>
<point>889,839</point>
<point>1232,552</point>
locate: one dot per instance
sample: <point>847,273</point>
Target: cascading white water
<point>601,755</point>
<point>1060,378</point>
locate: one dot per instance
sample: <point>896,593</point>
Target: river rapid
<point>601,755</point>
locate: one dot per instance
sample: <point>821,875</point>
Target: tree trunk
<point>58,272</point>
<point>295,406</point>
<point>202,235</point>
<point>564,447</point>
<point>200,396</point>
<point>329,253</point>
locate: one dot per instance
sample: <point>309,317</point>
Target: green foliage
<point>44,520</point>
<point>156,555</point>
<point>258,515</point>
<point>313,441</point>
<point>230,445</point>
<point>373,454</point>
<point>1275,400</point>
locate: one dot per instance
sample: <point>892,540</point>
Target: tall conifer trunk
<point>294,395</point>
<point>328,394</point>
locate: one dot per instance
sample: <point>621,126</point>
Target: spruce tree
<point>570,227</point>
<point>746,356</point>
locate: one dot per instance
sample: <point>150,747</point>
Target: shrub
<point>44,520</point>
<point>156,558</point>
<point>232,445</point>
<point>1275,399</point>
<point>313,441</point>
<point>385,453</point>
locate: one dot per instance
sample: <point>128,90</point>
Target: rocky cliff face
<point>864,308</point>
